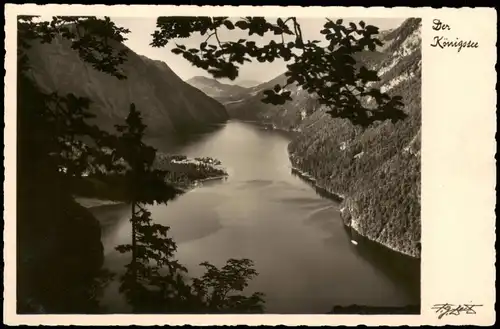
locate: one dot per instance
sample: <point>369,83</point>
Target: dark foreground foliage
<point>60,253</point>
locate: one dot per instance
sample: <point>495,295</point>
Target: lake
<point>301,249</point>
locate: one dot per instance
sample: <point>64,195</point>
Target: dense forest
<point>184,172</point>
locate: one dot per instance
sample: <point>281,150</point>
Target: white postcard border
<point>458,165</point>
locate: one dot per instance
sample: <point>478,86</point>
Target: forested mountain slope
<point>167,103</point>
<point>376,170</point>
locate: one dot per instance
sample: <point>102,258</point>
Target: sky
<point>139,40</point>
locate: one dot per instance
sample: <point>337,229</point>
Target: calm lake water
<point>301,249</point>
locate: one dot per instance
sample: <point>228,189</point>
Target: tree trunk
<point>134,239</point>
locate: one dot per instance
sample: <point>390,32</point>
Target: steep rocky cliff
<point>167,103</point>
<point>376,170</point>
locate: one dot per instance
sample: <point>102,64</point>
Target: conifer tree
<point>154,281</point>
<point>151,250</point>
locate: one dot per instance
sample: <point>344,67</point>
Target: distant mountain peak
<point>248,83</point>
<point>214,88</point>
<point>202,78</point>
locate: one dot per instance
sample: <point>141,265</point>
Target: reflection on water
<point>296,238</point>
<point>176,143</point>
<point>398,267</point>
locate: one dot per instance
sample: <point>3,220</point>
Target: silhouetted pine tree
<point>151,250</point>
<point>154,281</point>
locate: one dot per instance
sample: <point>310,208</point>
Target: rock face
<point>377,169</point>
<point>167,103</point>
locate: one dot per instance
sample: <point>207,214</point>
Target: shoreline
<point>93,203</point>
<point>337,197</point>
<point>197,183</point>
<point>313,182</point>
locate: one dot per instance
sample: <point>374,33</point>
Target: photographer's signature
<point>454,309</point>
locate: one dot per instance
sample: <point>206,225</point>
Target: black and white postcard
<point>249,165</point>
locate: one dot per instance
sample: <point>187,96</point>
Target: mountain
<point>375,170</point>
<point>248,105</point>
<point>167,103</point>
<point>215,89</point>
<point>248,83</point>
